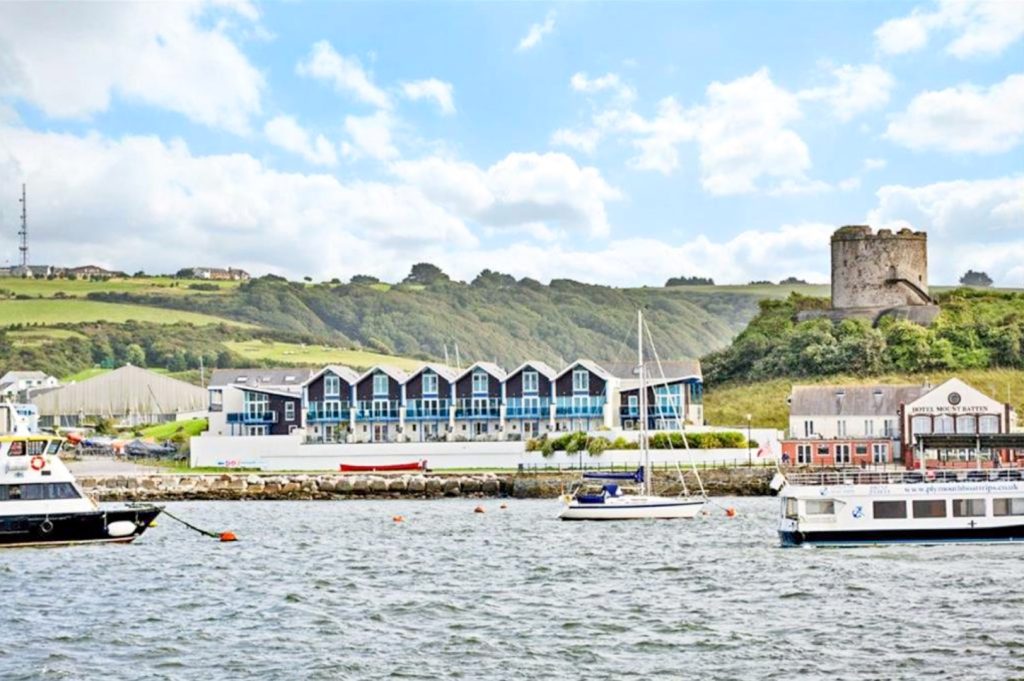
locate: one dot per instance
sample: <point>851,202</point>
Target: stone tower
<point>880,271</point>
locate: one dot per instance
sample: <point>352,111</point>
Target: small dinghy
<point>383,467</point>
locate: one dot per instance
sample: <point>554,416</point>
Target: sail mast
<point>645,456</point>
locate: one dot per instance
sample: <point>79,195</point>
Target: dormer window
<point>480,380</point>
<point>580,380</point>
<point>429,383</point>
<point>531,381</point>
<point>332,386</point>
<point>380,385</point>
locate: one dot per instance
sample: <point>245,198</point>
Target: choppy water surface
<point>326,590</point>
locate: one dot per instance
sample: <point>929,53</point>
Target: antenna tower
<point>23,232</point>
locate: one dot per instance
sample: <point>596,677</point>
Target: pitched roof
<point>444,371</point>
<point>541,368</point>
<point>350,376</point>
<point>855,400</point>
<point>128,390</point>
<point>293,393</point>
<point>490,367</point>
<point>12,376</point>
<point>393,372</point>
<point>588,364</point>
<point>259,377</point>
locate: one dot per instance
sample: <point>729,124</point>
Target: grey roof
<point>444,371</point>
<point>490,367</point>
<point>293,392</point>
<point>542,368</point>
<point>260,377</point>
<point>669,370</point>
<point>349,375</point>
<point>854,400</point>
<point>588,364</point>
<point>124,391</point>
<point>12,376</point>
<point>393,372</point>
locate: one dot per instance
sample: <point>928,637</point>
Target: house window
<point>803,454</point>
<point>889,428</point>
<point>580,381</point>
<point>808,428</point>
<point>842,454</point>
<point>429,384</point>
<point>531,381</point>
<point>634,403</point>
<point>841,428</point>
<point>289,411</point>
<point>869,428</point>
<point>332,386</point>
<point>480,380</point>
<point>880,453</point>
<point>380,384</point>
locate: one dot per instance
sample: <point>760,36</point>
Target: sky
<point>613,143</point>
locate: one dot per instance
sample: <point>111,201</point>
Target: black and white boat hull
<point>1009,533</point>
<point>89,527</point>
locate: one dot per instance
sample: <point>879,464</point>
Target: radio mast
<point>23,233</point>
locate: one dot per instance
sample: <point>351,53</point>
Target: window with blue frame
<point>634,403</point>
<point>531,381</point>
<point>480,381</point>
<point>429,384</point>
<point>332,386</point>
<point>580,381</point>
<point>380,384</point>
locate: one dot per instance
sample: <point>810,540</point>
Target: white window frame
<point>841,428</point>
<point>531,403</point>
<point>580,401</point>
<point>531,382</point>
<point>379,380</point>
<point>580,380</point>
<point>809,429</point>
<point>332,386</point>
<point>879,452</point>
<point>804,453</point>
<point>869,427</point>
<point>842,453</point>
<point>429,384</point>
<point>481,382</point>
<point>289,411</point>
<point>634,402</point>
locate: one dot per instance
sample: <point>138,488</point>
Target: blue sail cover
<point>637,477</point>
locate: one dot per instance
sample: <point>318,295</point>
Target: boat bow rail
<point>863,477</point>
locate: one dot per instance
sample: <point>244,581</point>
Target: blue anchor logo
<point>858,512</point>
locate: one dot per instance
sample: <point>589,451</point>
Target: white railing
<point>868,477</point>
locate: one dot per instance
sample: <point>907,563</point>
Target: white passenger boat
<point>849,507</point>
<point>42,504</point>
<point>635,501</point>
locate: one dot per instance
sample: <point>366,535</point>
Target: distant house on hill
<point>220,273</point>
<point>86,271</point>
<point>20,385</point>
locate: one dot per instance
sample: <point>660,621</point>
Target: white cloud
<point>521,189</point>
<point>978,27</point>
<point>970,224</point>
<point>856,90</point>
<point>371,136</point>
<point>609,81</point>
<point>71,59</point>
<point>537,33</point>
<point>431,88</point>
<point>965,118</point>
<point>581,140</point>
<point>346,74</point>
<point>285,132</point>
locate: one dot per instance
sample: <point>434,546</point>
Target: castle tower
<point>879,271</point>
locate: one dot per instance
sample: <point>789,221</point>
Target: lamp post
<point>750,460</point>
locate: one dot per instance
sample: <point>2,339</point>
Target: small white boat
<point>611,501</point>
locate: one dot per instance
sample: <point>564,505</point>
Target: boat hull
<point>667,509</point>
<point>371,468</point>
<point>93,527</point>
<point>1006,533</point>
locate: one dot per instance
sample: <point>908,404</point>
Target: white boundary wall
<point>287,453</point>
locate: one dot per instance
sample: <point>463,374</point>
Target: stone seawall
<point>240,486</point>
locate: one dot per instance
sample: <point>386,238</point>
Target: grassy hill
<point>50,311</point>
<point>274,352</point>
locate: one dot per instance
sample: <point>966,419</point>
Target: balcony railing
<point>427,409</point>
<point>567,407</point>
<point>328,412</point>
<point>477,408</point>
<point>516,408</point>
<point>252,417</point>
<point>377,410</point>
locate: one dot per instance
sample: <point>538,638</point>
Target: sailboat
<point>636,501</point>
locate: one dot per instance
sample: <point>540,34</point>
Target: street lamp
<point>750,460</point>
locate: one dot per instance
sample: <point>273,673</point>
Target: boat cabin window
<point>883,510</point>
<point>820,507</point>
<point>17,448</point>
<point>929,508</point>
<point>1008,506</point>
<point>36,447</point>
<point>54,447</point>
<point>38,491</point>
<point>968,508</point>
<point>789,508</point>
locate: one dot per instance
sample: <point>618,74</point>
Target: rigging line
<point>678,415</point>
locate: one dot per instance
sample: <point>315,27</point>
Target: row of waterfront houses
<point>437,402</point>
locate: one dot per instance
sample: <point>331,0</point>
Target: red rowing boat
<point>370,468</point>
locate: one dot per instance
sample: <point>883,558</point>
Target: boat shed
<point>130,395</point>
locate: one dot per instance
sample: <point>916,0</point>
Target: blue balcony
<point>477,408</point>
<point>519,408</point>
<point>253,417</point>
<point>377,410</point>
<point>328,412</point>
<point>427,410</point>
<point>574,407</point>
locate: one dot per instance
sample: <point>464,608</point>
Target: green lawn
<point>316,355</point>
<point>81,287</point>
<point>56,311</point>
<point>37,336</point>
<point>165,431</point>
<point>766,401</point>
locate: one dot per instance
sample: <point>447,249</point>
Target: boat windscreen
<point>637,476</point>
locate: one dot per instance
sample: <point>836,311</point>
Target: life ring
<point>38,463</point>
<point>46,527</point>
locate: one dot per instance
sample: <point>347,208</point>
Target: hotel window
<point>1002,507</point>
<point>289,411</point>
<point>480,382</point>
<point>380,384</point>
<point>968,508</point>
<point>921,425</point>
<point>429,384</point>
<point>966,424</point>
<point>808,428</point>
<point>531,382</point>
<point>332,386</point>
<point>929,508</point>
<point>988,424</point>
<point>580,380</point>
<point>888,510</point>
<point>869,428</point>
<point>944,424</point>
<point>841,428</point>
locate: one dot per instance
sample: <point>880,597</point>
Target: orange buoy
<point>730,512</point>
<point>398,518</point>
<point>479,509</point>
<point>228,536</point>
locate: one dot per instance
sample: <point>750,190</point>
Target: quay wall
<point>249,486</point>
